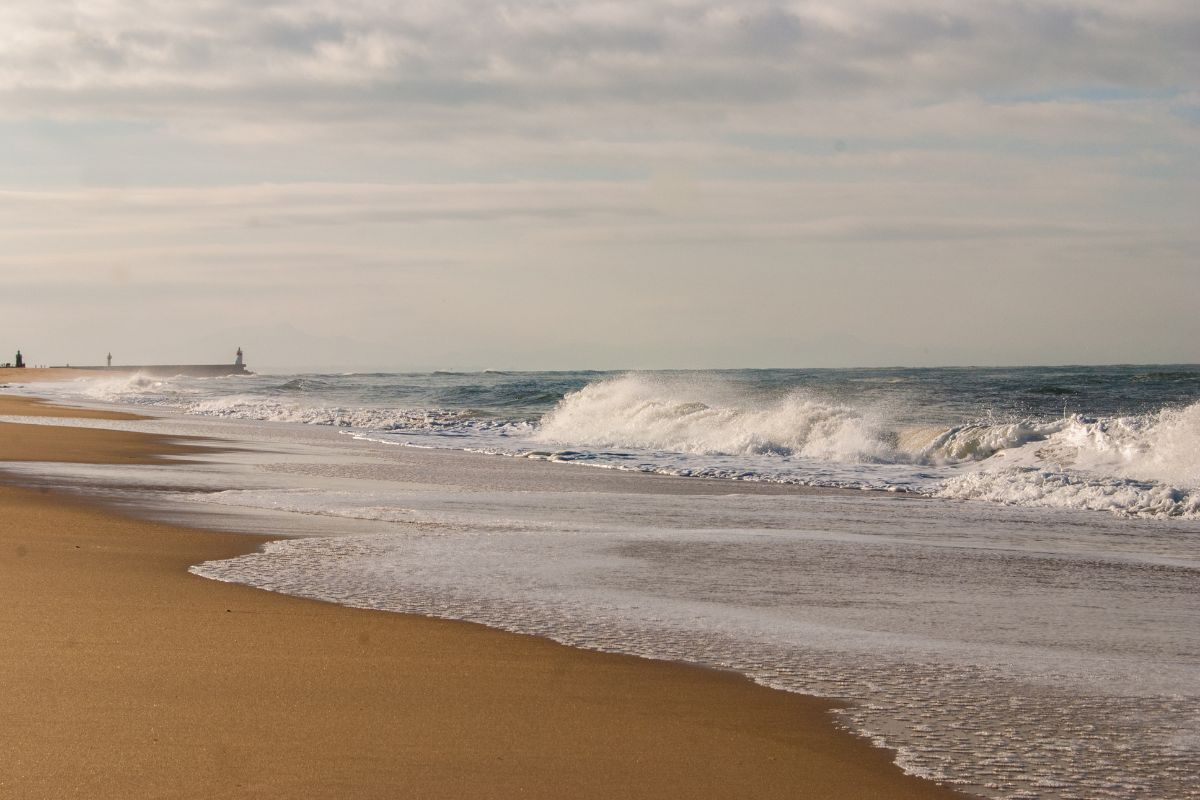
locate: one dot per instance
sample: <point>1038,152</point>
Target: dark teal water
<point>930,395</point>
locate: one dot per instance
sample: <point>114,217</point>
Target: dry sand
<point>35,374</point>
<point>126,677</point>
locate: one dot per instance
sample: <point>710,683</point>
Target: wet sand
<point>126,677</point>
<point>78,445</point>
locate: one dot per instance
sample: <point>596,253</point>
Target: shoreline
<point>134,678</point>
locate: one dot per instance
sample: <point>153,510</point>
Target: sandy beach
<point>128,677</point>
<point>41,374</point>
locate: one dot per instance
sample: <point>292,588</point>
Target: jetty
<point>238,367</point>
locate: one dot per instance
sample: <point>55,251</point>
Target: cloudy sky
<point>662,183</point>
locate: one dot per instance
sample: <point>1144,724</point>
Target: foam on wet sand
<point>128,677</point>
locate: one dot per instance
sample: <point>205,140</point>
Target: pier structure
<point>238,367</point>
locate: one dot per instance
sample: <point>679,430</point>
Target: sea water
<point>1122,439</point>
<point>1018,615</point>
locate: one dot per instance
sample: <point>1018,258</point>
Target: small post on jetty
<point>20,360</point>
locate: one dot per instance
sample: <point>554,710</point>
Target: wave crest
<point>654,413</point>
<point>707,418</point>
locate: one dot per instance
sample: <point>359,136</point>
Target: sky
<point>559,185</point>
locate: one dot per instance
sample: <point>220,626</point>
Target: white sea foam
<point>1020,651</point>
<point>653,413</point>
<point>1143,466</point>
<point>137,388</point>
<point>193,396</point>
<point>704,425</point>
<point>381,419</point>
<point>650,412</point>
<point>1138,465</point>
<point>977,441</point>
<point>1027,663</point>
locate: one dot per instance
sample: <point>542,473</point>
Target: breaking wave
<point>702,424</point>
<point>1145,465</point>
<point>275,403</point>
<point>1137,465</point>
<point>651,413</point>
<point>648,413</point>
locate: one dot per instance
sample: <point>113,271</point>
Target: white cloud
<point>463,148</point>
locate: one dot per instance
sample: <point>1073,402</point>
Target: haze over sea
<point>1015,613</point>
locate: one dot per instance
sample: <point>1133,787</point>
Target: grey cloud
<point>302,36</point>
<point>772,32</point>
<point>549,53</point>
<point>578,43</point>
<point>97,50</point>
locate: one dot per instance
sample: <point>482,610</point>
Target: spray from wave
<point>705,417</point>
<point>704,424</point>
<point>1145,465</point>
<point>654,413</point>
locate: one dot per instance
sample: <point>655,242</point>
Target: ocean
<point>999,568</point>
